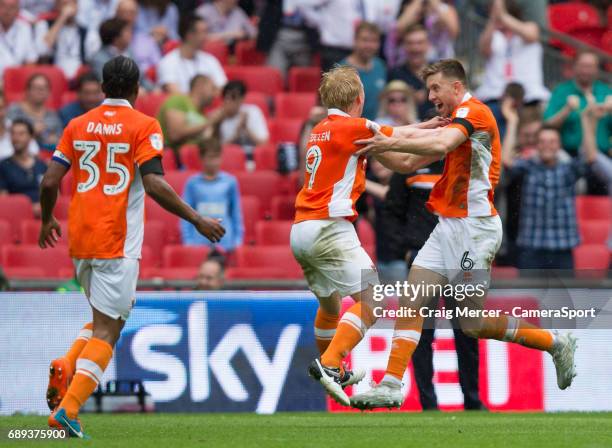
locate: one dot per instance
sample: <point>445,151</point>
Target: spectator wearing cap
<point>397,105</point>
<point>22,172</point>
<point>16,37</point>
<point>227,21</point>
<point>47,124</point>
<point>215,194</point>
<point>60,40</point>
<point>89,95</point>
<point>372,70</point>
<point>242,124</point>
<point>179,66</point>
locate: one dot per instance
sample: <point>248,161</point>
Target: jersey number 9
<point>313,161</point>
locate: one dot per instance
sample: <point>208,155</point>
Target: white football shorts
<point>460,245</point>
<point>109,284</point>
<point>332,257</point>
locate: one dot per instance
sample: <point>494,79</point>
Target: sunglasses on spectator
<point>401,99</point>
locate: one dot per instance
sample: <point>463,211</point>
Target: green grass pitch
<point>372,430</point>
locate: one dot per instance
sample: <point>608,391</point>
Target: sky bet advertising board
<point>249,352</point>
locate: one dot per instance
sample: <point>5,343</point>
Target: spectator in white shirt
<point>513,52</point>
<point>227,21</point>
<point>15,37</point>
<point>244,124</point>
<point>90,15</point>
<point>176,68</point>
<point>59,40</point>
<point>36,8</point>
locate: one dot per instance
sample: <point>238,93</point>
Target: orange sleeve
<point>150,142</point>
<point>387,130</point>
<point>470,118</point>
<point>64,151</point>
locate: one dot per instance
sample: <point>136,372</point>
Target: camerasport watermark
<point>411,291</point>
<point>475,313</point>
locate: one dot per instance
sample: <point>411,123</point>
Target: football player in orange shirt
<point>323,238</point>
<point>461,248</point>
<point>114,154</point>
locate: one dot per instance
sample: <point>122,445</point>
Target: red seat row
<point>580,21</point>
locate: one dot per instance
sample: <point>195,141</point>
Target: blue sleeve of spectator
<point>187,230</point>
<point>237,220</point>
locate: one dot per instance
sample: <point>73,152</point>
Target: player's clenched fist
<point>211,228</point>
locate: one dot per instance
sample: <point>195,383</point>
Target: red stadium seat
<point>190,157</point>
<point>14,209</point>
<point>218,49</point>
<point>291,184</point>
<point>365,231</point>
<point>15,79</point>
<point>247,53</point>
<point>263,184</point>
<point>273,233</point>
<point>169,160</point>
<point>266,157</point>
<point>154,212</point>
<point>177,179</point>
<point>50,260</point>
<point>171,273</point>
<point>6,234</point>
<point>304,79</point>
<point>594,231</point>
<point>155,239</point>
<point>68,97</point>
<point>282,207</point>
<point>263,79</point>
<point>254,273</point>
<point>285,130</point>
<point>27,273</point>
<point>150,103</point>
<point>592,258</point>
<point>565,17</point>
<point>30,228</point>
<point>260,100</point>
<point>251,213</point>
<point>277,257</point>
<point>233,159</point>
<point>184,256</point>
<point>294,105</point>
<point>593,207</point>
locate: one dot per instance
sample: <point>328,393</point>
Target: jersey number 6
<point>313,160</point>
<point>86,163</point>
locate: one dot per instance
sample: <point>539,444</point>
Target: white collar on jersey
<point>335,111</point>
<point>116,102</point>
<point>466,97</point>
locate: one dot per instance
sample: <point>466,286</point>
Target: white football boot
<point>562,352</point>
<point>383,395</point>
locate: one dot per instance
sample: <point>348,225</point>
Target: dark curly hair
<point>120,77</point>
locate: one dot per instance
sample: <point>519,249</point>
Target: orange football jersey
<point>471,171</point>
<point>335,176</point>
<point>104,148</point>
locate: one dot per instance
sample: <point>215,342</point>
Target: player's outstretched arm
<point>162,193</point>
<point>404,163</point>
<point>50,230</point>
<point>439,144</point>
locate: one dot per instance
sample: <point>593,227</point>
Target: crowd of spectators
<point>552,135</point>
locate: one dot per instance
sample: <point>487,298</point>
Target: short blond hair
<point>340,87</point>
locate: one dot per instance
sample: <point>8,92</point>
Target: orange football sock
<point>325,329</point>
<point>89,369</point>
<point>406,336</point>
<point>351,329</point>
<point>510,329</point>
<point>78,344</point>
